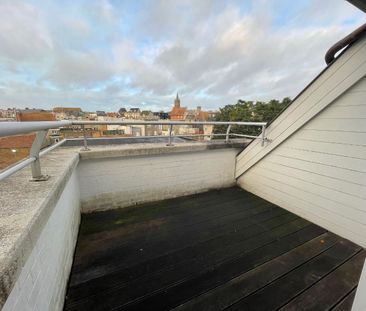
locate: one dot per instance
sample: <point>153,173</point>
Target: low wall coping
<point>25,208</point>
<point>113,151</point>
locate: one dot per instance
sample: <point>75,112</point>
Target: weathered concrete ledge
<point>146,149</point>
<point>25,208</point>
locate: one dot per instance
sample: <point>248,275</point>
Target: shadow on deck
<point>224,249</point>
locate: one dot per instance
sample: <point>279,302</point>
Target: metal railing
<point>41,128</point>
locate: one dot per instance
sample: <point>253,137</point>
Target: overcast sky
<point>103,55</point>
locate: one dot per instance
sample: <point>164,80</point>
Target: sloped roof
<point>18,141</point>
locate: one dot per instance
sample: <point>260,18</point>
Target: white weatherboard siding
<point>319,172</point>
<point>118,182</point>
<point>41,285</point>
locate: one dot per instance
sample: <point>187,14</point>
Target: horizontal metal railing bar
<point>168,123</point>
<point>15,128</point>
<point>50,148</point>
<point>13,169</point>
<point>244,135</point>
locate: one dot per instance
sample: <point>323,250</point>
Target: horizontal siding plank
<point>326,196</point>
<point>357,178</point>
<point>317,179</point>
<point>294,202</point>
<point>357,152</point>
<point>346,125</point>
<point>357,165</point>
<point>332,136</point>
<point>341,112</point>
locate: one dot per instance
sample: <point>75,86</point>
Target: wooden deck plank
<point>173,294</point>
<point>170,240</point>
<point>278,293</point>
<point>225,295</point>
<point>336,285</point>
<point>199,254</point>
<point>203,252</point>
<point>346,303</point>
<point>189,205</point>
<point>160,226</point>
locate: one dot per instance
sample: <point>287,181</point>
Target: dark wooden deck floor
<point>225,249</point>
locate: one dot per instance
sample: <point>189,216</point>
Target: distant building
<point>122,112</point>
<point>67,113</point>
<point>133,113</point>
<point>8,114</point>
<point>212,115</point>
<point>35,115</point>
<point>161,115</point>
<point>178,113</point>
<point>66,110</point>
<point>101,113</point>
<point>113,114</point>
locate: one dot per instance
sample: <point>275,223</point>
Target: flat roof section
<point>220,249</point>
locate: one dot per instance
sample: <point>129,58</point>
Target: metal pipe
<point>347,40</point>
<point>227,133</point>
<point>50,148</point>
<point>17,167</point>
<point>263,135</point>
<point>170,135</point>
<point>13,169</point>
<point>166,123</point>
<point>34,153</point>
<point>243,135</point>
<point>16,128</point>
<point>85,139</point>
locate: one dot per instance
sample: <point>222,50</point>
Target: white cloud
<point>214,53</point>
<point>79,69</point>
<point>23,35</point>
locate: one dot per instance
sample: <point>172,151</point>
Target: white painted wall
<point>119,182</point>
<point>42,281</point>
<point>359,304</point>
<point>319,172</point>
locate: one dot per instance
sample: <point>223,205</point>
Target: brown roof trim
<point>347,40</point>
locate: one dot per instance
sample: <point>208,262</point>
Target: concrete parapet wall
<point>107,183</point>
<point>42,282</point>
<point>39,223</point>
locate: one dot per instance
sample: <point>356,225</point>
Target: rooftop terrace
<point>223,226</point>
<point>222,249</point>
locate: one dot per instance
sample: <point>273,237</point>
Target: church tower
<point>177,102</point>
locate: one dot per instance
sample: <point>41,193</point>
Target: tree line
<point>250,111</point>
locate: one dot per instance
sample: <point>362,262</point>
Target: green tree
<point>250,112</point>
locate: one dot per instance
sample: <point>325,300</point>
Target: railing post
<point>170,135</point>
<point>85,139</point>
<point>263,135</point>
<point>227,133</point>
<point>34,153</point>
